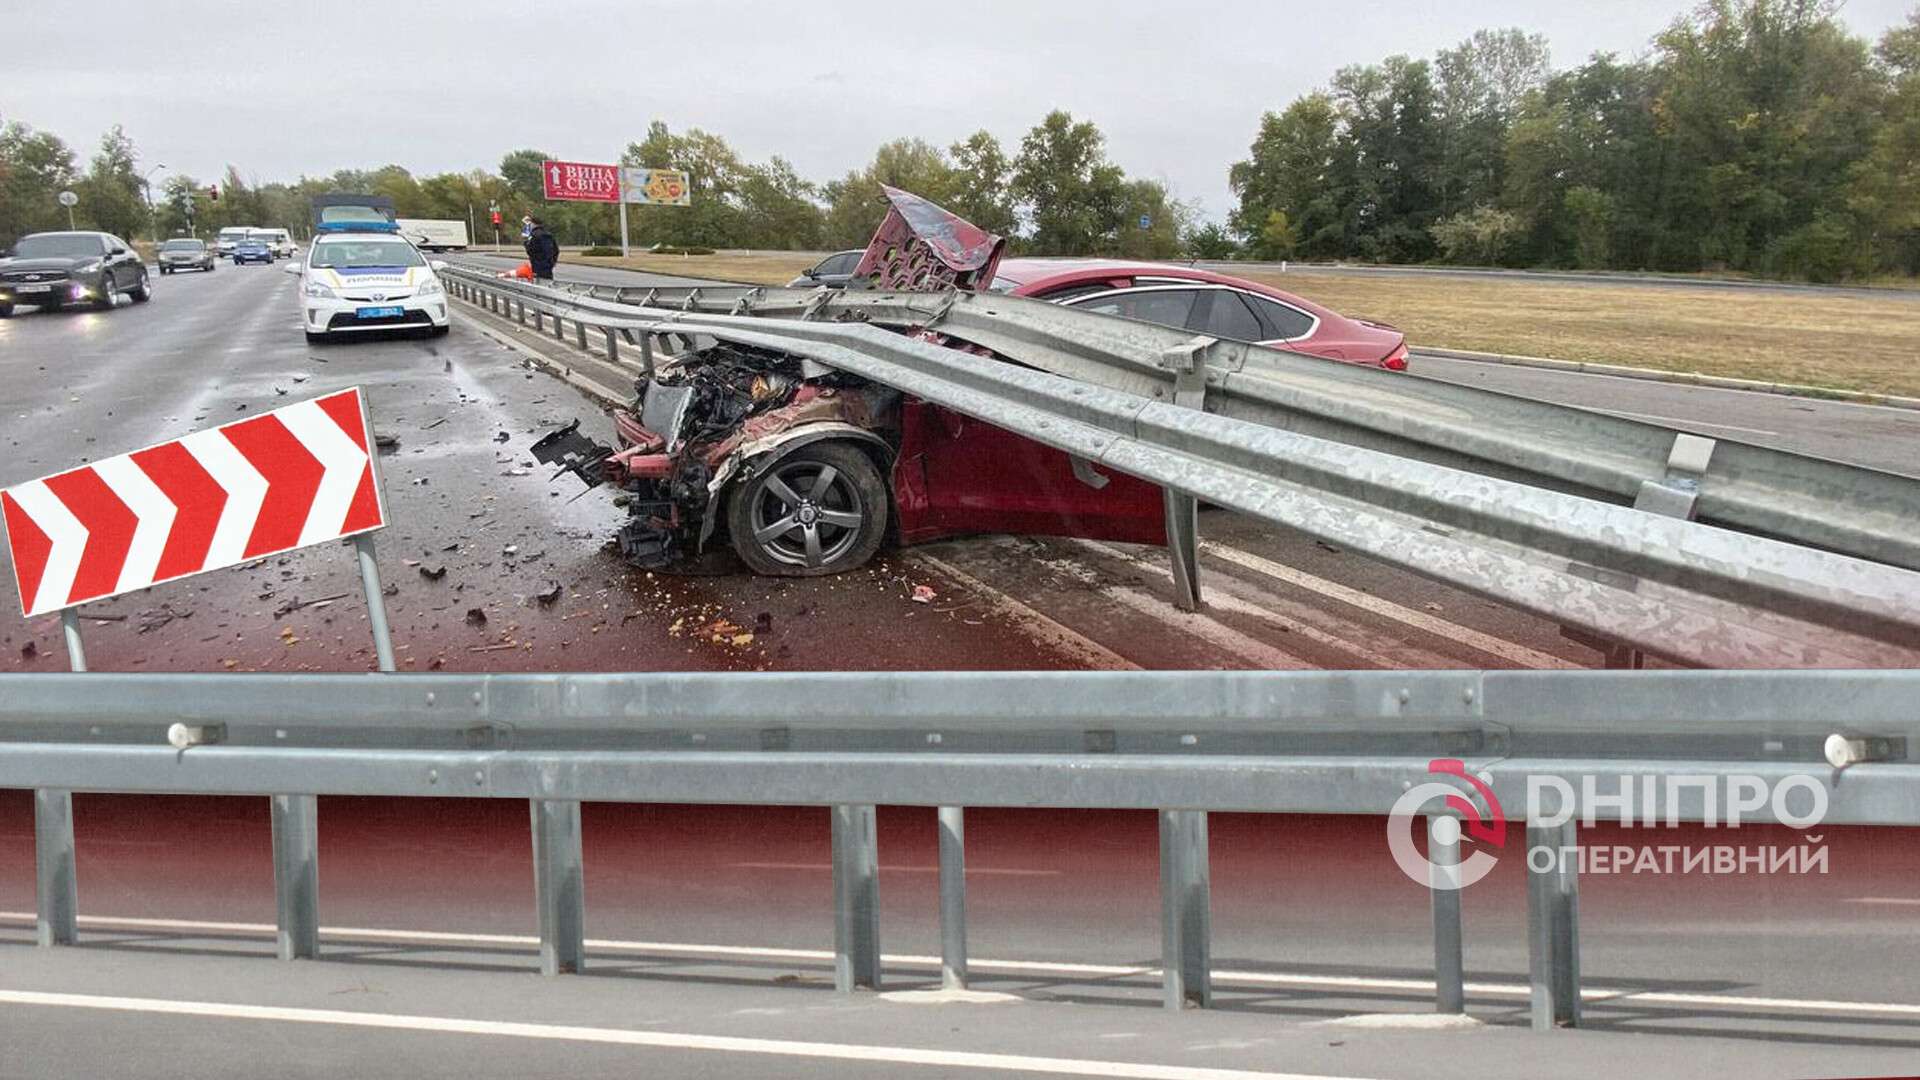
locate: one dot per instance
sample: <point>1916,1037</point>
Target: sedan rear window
<point>1288,322</point>
<point>1231,318</point>
<point>1168,307</point>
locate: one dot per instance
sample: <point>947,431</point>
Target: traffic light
<point>496,217</point>
<point>213,192</point>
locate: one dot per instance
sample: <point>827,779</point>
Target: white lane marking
<point>68,539</point>
<point>246,490</point>
<point>1010,967</point>
<point>662,1040</point>
<point>343,460</point>
<point>1250,649</point>
<point>1684,421</point>
<point>1419,620</point>
<point>1220,599</point>
<point>983,871</point>
<point>154,511</point>
<point>1905,901</point>
<point>1089,653</point>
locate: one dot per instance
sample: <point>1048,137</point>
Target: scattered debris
<point>493,648</point>
<point>476,617</point>
<point>502,437</point>
<point>296,604</point>
<point>286,635</point>
<point>923,594</point>
<point>104,618</point>
<point>390,590</point>
<point>433,573</point>
<point>301,378</point>
<point>436,423</point>
<point>384,441</point>
<point>155,618</point>
<point>551,594</point>
<point>29,651</point>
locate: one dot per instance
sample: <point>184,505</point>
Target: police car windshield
<point>348,254</point>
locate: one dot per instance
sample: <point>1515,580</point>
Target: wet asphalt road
<point>462,493</point>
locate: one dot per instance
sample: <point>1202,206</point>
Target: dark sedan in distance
<point>835,271</point>
<point>247,251</point>
<point>183,254</point>
<point>54,269</point>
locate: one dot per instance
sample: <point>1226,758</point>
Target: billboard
<point>580,182</point>
<point>657,187</point>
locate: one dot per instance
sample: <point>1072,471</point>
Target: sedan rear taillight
<point>1397,359</point>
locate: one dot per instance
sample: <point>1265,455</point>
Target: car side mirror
<point>438,265</point>
<point>290,268</point>
<point>118,251</point>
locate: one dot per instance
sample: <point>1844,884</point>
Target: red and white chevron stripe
<point>286,479</point>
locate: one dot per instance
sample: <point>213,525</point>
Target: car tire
<point>6,311</point>
<point>108,287</point>
<point>832,499</point>
<point>143,292</point>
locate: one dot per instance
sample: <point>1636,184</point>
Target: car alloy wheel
<point>143,292</point>
<point>108,287</point>
<point>822,509</point>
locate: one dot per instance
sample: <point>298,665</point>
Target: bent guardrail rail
<point>1653,744</point>
<point>1859,511</point>
<point>1673,588</point>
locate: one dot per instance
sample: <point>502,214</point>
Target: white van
<point>429,234</point>
<point>279,240</point>
<point>229,236</point>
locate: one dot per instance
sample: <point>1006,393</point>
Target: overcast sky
<point>281,89</point>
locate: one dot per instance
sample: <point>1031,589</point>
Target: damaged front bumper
<point>710,418</point>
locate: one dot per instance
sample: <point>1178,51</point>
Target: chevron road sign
<point>291,478</point>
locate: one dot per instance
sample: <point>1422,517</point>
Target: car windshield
<point>182,245</point>
<point>58,246</point>
<point>360,254</point>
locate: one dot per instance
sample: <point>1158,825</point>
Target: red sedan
<point>1206,303</point>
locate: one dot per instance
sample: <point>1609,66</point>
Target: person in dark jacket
<point>542,249</point>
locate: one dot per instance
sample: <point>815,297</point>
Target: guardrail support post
<point>856,899</point>
<point>296,875</point>
<point>613,345</point>
<point>1186,919</point>
<point>1553,928</point>
<point>55,879</point>
<point>58,914</point>
<point>580,329</point>
<point>1449,977</point>
<point>646,354</point>
<point>558,887</point>
<point>1183,543</point>
<point>953,898</point>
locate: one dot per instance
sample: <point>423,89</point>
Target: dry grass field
<point>1848,342</point>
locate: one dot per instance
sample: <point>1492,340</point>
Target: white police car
<point>352,281</point>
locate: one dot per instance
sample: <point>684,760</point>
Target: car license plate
<point>379,312</point>
<point>35,288</point>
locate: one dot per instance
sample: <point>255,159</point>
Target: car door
<point>958,475</point>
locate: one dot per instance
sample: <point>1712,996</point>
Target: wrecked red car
<point>807,471</point>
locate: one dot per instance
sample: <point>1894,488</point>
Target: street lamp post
<point>153,220</point>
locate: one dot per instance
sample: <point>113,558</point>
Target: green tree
<point>982,174</point>
<point>1884,190</point>
<point>1278,237</point>
<point>1478,237</point>
<point>1167,223</point>
<point>1291,170</point>
<point>856,205</point>
<point>1590,214</point>
<point>35,166</point>
<point>1212,241</point>
<point>1071,193</point>
<point>1478,86</point>
<point>111,199</point>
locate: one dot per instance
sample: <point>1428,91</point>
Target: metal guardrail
<point>1182,744</point>
<point>1859,511</point>
<point>1663,584</point>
